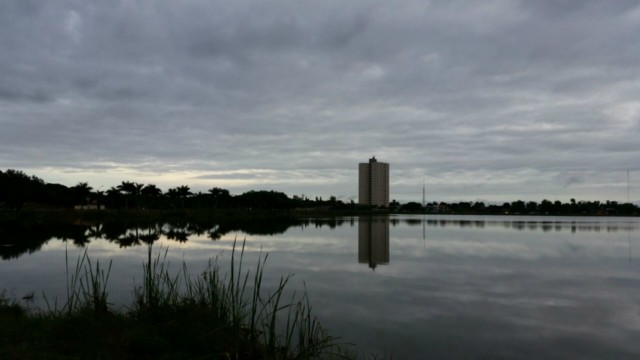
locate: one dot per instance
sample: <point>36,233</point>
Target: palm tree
<point>99,198</point>
<point>127,188</point>
<point>183,193</point>
<point>151,192</point>
<point>137,189</point>
<point>172,194</point>
<point>113,195</point>
<point>218,194</point>
<point>81,193</point>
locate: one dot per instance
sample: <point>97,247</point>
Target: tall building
<point>373,183</point>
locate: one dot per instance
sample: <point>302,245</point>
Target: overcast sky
<point>483,100</point>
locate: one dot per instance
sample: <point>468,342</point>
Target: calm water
<point>412,286</point>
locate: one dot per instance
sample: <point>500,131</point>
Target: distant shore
<point>19,191</point>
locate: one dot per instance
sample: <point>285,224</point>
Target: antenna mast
<point>423,202</point>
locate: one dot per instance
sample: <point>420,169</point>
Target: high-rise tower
<point>373,183</point>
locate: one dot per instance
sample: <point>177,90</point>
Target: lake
<point>412,286</point>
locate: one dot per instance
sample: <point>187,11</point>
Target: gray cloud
<point>463,94</point>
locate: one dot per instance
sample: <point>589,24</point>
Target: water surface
<point>412,286</point>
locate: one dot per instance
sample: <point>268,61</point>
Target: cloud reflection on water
<point>456,287</point>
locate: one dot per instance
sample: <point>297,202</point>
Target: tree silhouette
<point>99,198</point>
<point>81,193</point>
<point>137,189</point>
<point>128,189</point>
<point>183,192</point>
<point>180,192</point>
<point>16,188</point>
<point>219,196</point>
<point>150,193</point>
<point>113,196</point>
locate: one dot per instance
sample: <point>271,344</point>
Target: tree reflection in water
<point>20,237</point>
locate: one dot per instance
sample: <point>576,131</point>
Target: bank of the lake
<point>215,315</point>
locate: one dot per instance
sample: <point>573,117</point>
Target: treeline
<point>545,207</point>
<point>19,190</point>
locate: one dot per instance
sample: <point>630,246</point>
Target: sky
<point>492,100</point>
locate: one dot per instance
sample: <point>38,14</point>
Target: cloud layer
<point>490,100</point>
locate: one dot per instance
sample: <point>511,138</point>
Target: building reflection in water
<point>373,241</point>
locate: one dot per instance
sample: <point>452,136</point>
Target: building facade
<point>373,183</point>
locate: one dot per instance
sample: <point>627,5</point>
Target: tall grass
<point>234,314</point>
<point>255,321</point>
<point>86,288</point>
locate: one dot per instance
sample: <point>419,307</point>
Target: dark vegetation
<point>174,315</point>
<point>20,191</point>
<point>545,207</point>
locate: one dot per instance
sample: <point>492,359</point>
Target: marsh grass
<point>254,321</point>
<point>86,288</point>
<point>175,314</point>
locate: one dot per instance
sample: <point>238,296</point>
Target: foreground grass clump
<point>212,316</point>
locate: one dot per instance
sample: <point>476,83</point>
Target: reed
<point>86,288</point>
<point>255,322</point>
